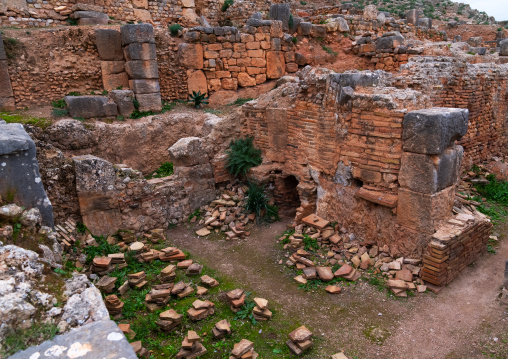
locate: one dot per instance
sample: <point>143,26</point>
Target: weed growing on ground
<point>241,101</point>
<point>330,51</point>
<point>103,248</point>
<point>310,244</point>
<point>34,121</point>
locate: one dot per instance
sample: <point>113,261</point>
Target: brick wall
<point>453,248</point>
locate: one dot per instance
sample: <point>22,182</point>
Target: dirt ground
<point>464,320</point>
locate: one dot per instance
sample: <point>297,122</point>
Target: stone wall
<point>480,88</point>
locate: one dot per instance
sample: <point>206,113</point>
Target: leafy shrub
<point>495,191</point>
<point>257,202</point>
<point>294,39</point>
<point>59,103</point>
<point>242,156</point>
<point>72,22</point>
<point>174,29</point>
<point>59,112</point>
<point>291,21</point>
<point>226,5</point>
<point>166,169</point>
<point>241,101</point>
<point>198,98</point>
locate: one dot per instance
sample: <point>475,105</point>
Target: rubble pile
<point>159,295</point>
<point>261,311</point>
<point>137,280</point>
<point>209,282</point>
<point>140,351</point>
<point>227,214</point>
<point>114,305</point>
<point>182,289</point>
<point>106,284</point>
<point>300,340</point>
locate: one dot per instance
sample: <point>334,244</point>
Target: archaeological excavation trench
<point>252,180</point>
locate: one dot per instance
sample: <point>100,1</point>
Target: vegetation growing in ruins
<point>25,120</point>
<point>198,98</point>
<point>242,156</point>
<point>226,5</point>
<point>174,28</point>
<point>330,51</point>
<point>495,191</point>
<point>165,170</point>
<point>258,202</point>
<point>23,338</point>
<point>241,101</point>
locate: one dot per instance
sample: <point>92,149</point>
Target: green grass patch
<point>241,101</point>
<point>330,51</point>
<point>25,120</point>
<point>23,338</point>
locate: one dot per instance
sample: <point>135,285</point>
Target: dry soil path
<point>460,322</point>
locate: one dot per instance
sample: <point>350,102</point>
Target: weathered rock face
<point>97,194</point>
<point>19,171</point>
<point>96,340</point>
<point>281,12</point>
<point>503,47</point>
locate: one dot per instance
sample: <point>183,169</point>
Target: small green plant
<point>330,51</point>
<point>198,99</point>
<point>72,22</point>
<point>120,118</point>
<point>242,156</point>
<point>79,119</point>
<point>104,92</point>
<point>74,93</point>
<point>103,248</point>
<point>196,213</point>
<point>119,87</point>
<point>59,103</point>
<point>310,244</point>
<point>241,101</point>
<point>311,285</point>
<point>59,112</point>
<point>226,5</point>
<point>174,29</point>
<point>494,190</point>
<point>257,200</point>
<point>303,3</point>
<point>291,21</point>
<point>246,311</point>
<point>167,106</point>
<point>165,170</point>
<point>490,249</point>
<point>294,40</point>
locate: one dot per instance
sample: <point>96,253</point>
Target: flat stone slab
<point>101,339</point>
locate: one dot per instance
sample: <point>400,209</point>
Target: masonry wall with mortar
<point>480,88</point>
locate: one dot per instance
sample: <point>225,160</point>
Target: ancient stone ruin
<point>372,139</point>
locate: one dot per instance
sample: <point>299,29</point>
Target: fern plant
<point>242,156</point>
<point>198,98</point>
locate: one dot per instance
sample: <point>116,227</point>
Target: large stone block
<point>140,51</point>
<point>142,15</point>
<point>196,81</point>
<point>5,80</point>
<point>281,12</point>
<point>140,4</point>
<point>141,69</point>
<point>413,17</point>
<point>100,339</point>
<point>276,120</point>
<point>244,80</point>
<point>370,12</point>
<point>187,152</point>
<point>112,67</point>
<point>424,212</point>
<point>84,21</point>
<point>305,28</point>
<point>137,33</point>
<point>503,47</point>
<point>389,41</point>
<point>275,64</point>
<point>191,56</point>
<point>7,104</point>
<point>109,44</point>
<point>115,81</point>
<point>430,173</point>
<point>150,102</point>
<point>90,106</point>
<point>431,131</point>
<point>144,86</point>
<point>19,171</point>
<point>318,31</point>
<point>89,15</point>
<point>124,101</point>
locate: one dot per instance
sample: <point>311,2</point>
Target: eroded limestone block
<point>191,56</point>
<point>423,212</point>
<point>389,40</point>
<point>412,17</point>
<point>144,86</point>
<point>430,173</point>
<point>281,12</point>
<point>124,101</point>
<point>275,64</point>
<point>114,81</point>
<point>19,171</point>
<point>150,102</point>
<point>187,152</point>
<point>431,131</point>
<point>141,69</point>
<point>90,106</point>
<point>196,81</point>
<point>137,33</point>
<point>138,51</point>
<point>109,44</point>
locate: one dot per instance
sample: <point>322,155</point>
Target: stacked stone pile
<point>114,305</point>
<point>221,329</point>
<point>106,284</point>
<point>169,320</point>
<point>137,280</point>
<point>182,289</point>
<point>235,299</point>
<point>159,295</point>
<point>200,310</point>
<point>243,349</point>
<point>300,340</point>
<point>140,351</point>
<point>261,311</point>
<point>191,346</point>
<point>209,281</point>
<point>102,265</point>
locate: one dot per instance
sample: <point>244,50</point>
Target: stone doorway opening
<point>286,195</point>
